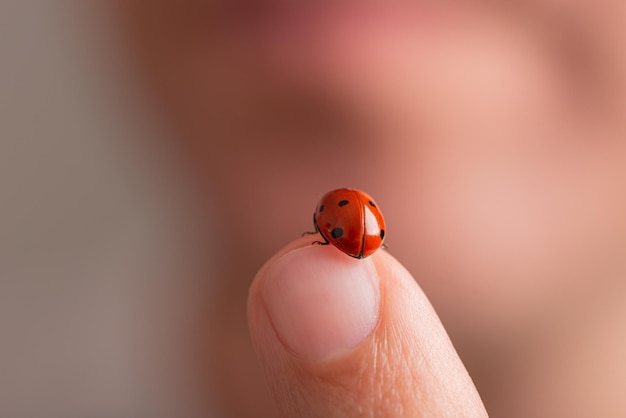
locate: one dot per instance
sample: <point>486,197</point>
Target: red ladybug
<point>351,221</point>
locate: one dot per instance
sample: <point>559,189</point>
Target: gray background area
<point>99,276</point>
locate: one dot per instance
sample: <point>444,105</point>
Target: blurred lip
<point>333,43</point>
<point>281,20</point>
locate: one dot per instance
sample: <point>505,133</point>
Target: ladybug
<point>350,220</point>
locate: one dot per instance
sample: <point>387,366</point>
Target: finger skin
<point>406,367</point>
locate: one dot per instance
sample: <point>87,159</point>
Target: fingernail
<point>321,302</point>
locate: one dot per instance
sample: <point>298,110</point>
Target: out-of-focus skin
<point>491,134</point>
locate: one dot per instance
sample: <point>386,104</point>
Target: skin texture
<point>493,136</point>
<point>408,347</point>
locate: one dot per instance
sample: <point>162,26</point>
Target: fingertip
<point>335,333</point>
<point>320,302</point>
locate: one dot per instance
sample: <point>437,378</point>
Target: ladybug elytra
<point>350,220</point>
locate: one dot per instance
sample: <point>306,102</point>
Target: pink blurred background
<point>153,155</point>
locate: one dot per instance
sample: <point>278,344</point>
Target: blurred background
<point>154,154</point>
<point>99,234</point>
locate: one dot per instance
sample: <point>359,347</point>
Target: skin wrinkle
<point>386,379</point>
<point>397,381</point>
<point>413,369</point>
<point>390,376</point>
<point>381,382</point>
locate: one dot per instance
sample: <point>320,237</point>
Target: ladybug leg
<point>320,242</point>
<point>384,246</point>
<point>317,230</point>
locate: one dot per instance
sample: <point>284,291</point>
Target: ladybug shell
<point>351,221</point>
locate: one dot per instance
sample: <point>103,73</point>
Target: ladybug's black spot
<point>382,233</point>
<point>336,233</point>
<point>321,208</point>
<point>372,204</point>
<point>343,203</point>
